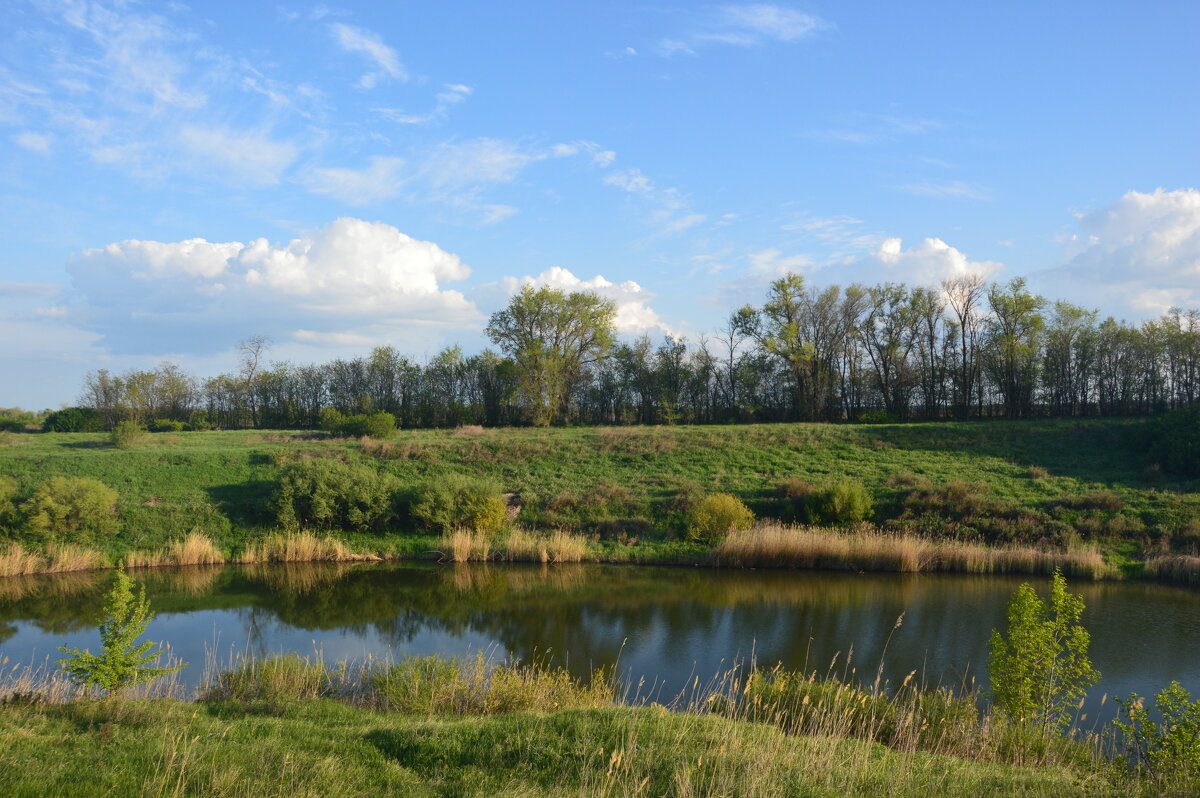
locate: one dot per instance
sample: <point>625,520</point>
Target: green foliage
<point>876,417</point>
<point>9,517</point>
<point>457,501</point>
<point>167,425</point>
<point>74,419</point>
<point>72,508</point>
<point>1173,441</point>
<point>1041,669</point>
<point>372,425</point>
<point>846,501</point>
<point>717,515</point>
<point>125,434</point>
<point>552,336</point>
<point>1167,749</point>
<point>332,495</point>
<point>122,662</point>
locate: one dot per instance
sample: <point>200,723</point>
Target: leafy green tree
<point>1041,669</point>
<point>552,336</point>
<point>122,661</point>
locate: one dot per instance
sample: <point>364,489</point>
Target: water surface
<point>662,627</point>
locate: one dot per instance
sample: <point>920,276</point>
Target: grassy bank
<point>1056,491</point>
<point>443,727</point>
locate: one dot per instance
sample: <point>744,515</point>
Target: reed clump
<point>16,560</point>
<point>559,546</point>
<point>1180,568</point>
<point>866,548</point>
<point>195,549</point>
<point>300,547</point>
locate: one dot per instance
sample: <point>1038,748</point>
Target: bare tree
<point>964,294</point>
<point>252,350</point>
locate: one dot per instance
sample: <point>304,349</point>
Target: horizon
<point>339,179</point>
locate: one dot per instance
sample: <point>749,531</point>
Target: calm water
<point>662,626</point>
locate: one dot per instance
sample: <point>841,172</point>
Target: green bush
<point>331,419</point>
<point>11,425</point>
<point>458,501</point>
<point>1168,750</point>
<point>1173,441</point>
<point>166,425</point>
<point>8,503</point>
<point>332,495</point>
<point>74,508</point>
<point>845,502</point>
<point>876,417</point>
<point>74,419</point>
<point>718,515</point>
<point>372,425</point>
<point>126,434</point>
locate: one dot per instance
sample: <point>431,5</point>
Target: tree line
<point>965,349</point>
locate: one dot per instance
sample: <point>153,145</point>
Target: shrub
<point>1173,441</point>
<point>11,425</point>
<point>876,417</point>
<point>8,503</point>
<point>120,663</point>
<point>458,501</point>
<point>71,507</point>
<point>1168,750</point>
<point>331,419</point>
<point>794,495</point>
<point>74,419</point>
<point>166,425</point>
<point>126,434</point>
<point>329,494</point>
<point>370,425</point>
<point>845,502</point>
<point>1041,670</point>
<point>717,516</point>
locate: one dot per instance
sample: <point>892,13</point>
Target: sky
<point>176,178</point>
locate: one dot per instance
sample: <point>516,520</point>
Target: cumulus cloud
<point>634,314</point>
<point>927,263</point>
<point>369,44</point>
<point>1139,256</point>
<point>197,296</point>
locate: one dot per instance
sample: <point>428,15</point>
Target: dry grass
<point>44,682</point>
<point>1178,568</point>
<point>465,545</point>
<point>557,547</point>
<point>865,548</point>
<point>301,547</point>
<point>58,558</point>
<point>16,561</point>
<point>195,549</point>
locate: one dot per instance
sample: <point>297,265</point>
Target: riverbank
<point>862,548</point>
<point>433,726</point>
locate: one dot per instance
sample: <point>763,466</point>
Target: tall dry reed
<point>865,548</point>
<point>559,546</point>
<point>1179,568</point>
<point>195,549</point>
<point>300,547</point>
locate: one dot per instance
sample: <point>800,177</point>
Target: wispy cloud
<point>382,179</point>
<point>955,189</point>
<point>870,128</point>
<point>34,142</point>
<point>671,212</point>
<point>369,44</point>
<point>749,25</point>
<point>453,94</point>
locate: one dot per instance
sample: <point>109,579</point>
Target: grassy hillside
<point>1048,481</point>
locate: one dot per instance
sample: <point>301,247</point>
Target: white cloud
<point>670,210</point>
<point>34,142</point>
<point>955,189</point>
<point>358,40</point>
<point>773,263</point>
<point>634,314</point>
<point>1140,255</point>
<point>381,180</point>
<point>927,263</point>
<point>249,157</point>
<point>454,94</point>
<point>747,25</point>
<point>198,296</point>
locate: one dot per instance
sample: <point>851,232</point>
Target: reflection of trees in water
<point>671,617</point>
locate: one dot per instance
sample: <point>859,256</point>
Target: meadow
<point>1059,486</point>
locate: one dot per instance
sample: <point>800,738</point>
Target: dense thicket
<point>965,349</point>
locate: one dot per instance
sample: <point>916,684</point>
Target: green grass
<point>322,747</point>
<point>608,481</point>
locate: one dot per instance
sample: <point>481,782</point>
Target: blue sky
<point>175,177</point>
